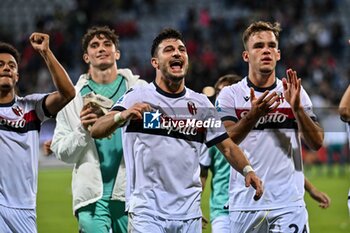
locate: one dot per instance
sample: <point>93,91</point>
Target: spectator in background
<point>21,119</point>
<point>98,182</point>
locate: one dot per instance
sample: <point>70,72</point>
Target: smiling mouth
<point>102,56</point>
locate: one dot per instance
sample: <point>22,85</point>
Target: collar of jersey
<point>261,89</point>
<point>170,95</point>
<point>8,104</point>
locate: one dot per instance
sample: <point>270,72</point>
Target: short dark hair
<point>167,33</point>
<point>98,31</point>
<point>7,48</point>
<point>228,79</point>
<point>260,26</point>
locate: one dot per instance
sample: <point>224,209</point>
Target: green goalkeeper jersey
<point>109,149</point>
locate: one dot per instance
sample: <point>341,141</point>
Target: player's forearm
<point>203,176</point>
<point>59,76</point>
<point>312,133</point>
<point>344,106</point>
<point>234,155</point>
<point>203,181</point>
<point>105,125</point>
<point>308,186</point>
<point>237,134</point>
<point>239,131</point>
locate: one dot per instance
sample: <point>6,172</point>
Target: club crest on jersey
<point>192,108</point>
<point>280,97</point>
<point>17,110</point>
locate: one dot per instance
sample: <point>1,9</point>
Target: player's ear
<point>117,55</point>
<point>154,62</point>
<point>86,58</point>
<point>245,56</point>
<point>278,57</point>
<point>17,77</point>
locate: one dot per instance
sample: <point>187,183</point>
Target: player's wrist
<point>297,108</point>
<point>248,168</point>
<point>252,116</point>
<point>118,119</point>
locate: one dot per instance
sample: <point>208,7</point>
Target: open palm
<point>291,89</point>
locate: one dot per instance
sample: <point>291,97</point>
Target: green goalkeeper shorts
<point>103,215</point>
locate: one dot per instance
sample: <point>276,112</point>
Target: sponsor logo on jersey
<point>14,124</point>
<point>280,116</point>
<point>246,98</point>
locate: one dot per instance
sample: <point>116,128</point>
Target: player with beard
<point>267,116</point>
<point>163,184</point>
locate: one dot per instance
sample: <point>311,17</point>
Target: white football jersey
<point>273,147</point>
<point>348,130</point>
<point>20,123</point>
<point>162,151</point>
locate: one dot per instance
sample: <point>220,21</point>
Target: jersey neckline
<point>9,104</point>
<point>261,89</point>
<point>170,95</point>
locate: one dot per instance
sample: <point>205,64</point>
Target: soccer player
<point>20,121</point>
<point>267,116</point>
<point>165,125</point>
<point>344,111</point>
<point>213,160</point>
<point>98,180</point>
<point>344,105</point>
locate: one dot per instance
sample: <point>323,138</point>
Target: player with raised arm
<point>20,121</point>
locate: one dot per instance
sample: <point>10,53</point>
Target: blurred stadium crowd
<point>313,42</point>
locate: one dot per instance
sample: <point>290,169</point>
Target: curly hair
<point>98,31</point>
<point>167,33</point>
<point>7,48</point>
